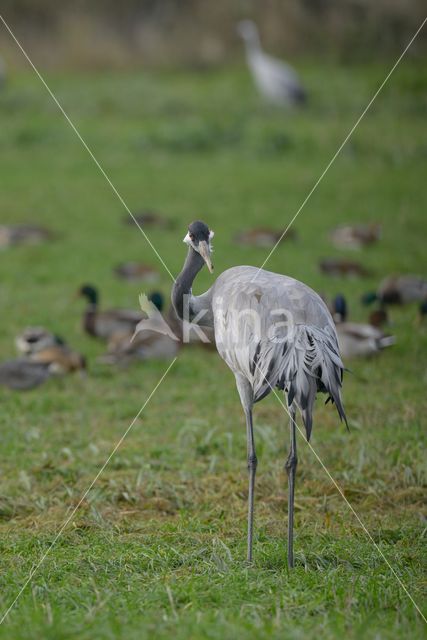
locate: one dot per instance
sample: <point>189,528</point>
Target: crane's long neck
<point>252,45</point>
<point>181,290</point>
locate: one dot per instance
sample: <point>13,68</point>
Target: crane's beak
<point>205,252</point>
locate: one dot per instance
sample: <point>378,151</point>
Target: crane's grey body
<point>276,80</point>
<point>273,332</point>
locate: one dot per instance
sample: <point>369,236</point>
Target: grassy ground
<point>157,548</point>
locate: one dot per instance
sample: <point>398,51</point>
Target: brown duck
<point>399,290</point>
<point>343,267</point>
<point>263,237</point>
<point>15,234</point>
<point>136,271</point>
<point>45,355</point>
<point>356,237</point>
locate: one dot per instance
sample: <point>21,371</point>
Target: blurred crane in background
<point>276,80</point>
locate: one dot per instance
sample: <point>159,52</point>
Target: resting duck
<point>35,339</point>
<point>45,355</point>
<point>14,234</point>
<point>355,237</point>
<point>103,324</point>
<point>60,359</point>
<point>133,271</point>
<point>357,339</point>
<point>263,237</point>
<point>148,218</point>
<point>27,373</point>
<point>22,374</point>
<point>40,345</point>
<point>399,290</point>
<point>343,267</point>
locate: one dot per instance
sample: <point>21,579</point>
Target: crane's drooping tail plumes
<point>312,364</point>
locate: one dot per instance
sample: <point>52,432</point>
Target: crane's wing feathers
<point>277,332</point>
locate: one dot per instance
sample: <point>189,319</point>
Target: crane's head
<point>199,237</point>
<point>247,30</point>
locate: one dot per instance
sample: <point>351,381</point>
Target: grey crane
<point>272,331</point>
<point>276,80</point>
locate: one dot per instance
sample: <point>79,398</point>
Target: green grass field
<point>157,549</point>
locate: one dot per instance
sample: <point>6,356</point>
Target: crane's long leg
<point>252,465</point>
<point>291,467</point>
<point>246,398</point>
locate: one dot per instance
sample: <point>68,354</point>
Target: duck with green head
<point>103,324</point>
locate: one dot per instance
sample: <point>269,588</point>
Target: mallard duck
<point>60,359</point>
<point>355,237</point>
<point>103,324</point>
<point>263,237</point>
<point>343,267</point>
<point>22,374</point>
<point>31,371</point>
<point>399,290</point>
<point>34,339</point>
<point>40,345</point>
<point>23,234</point>
<point>45,354</point>
<point>357,339</point>
<point>148,218</point>
<point>136,271</point>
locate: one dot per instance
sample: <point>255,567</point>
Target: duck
<point>60,359</point>
<point>17,234</point>
<point>38,344</point>
<point>398,290</point>
<point>133,271</point>
<point>103,324</point>
<point>343,267</point>
<point>45,355</point>
<point>34,339</point>
<point>276,81</point>
<point>263,237</point>
<point>355,236</point>
<point>357,339</point>
<point>29,372</point>
<point>148,218</point>
<point>22,374</point>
